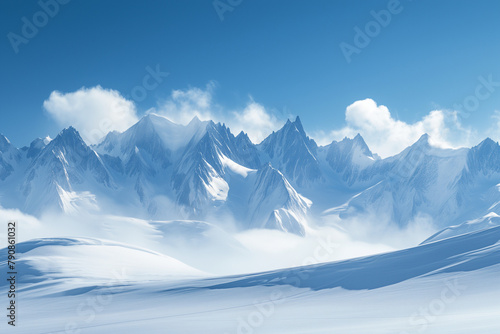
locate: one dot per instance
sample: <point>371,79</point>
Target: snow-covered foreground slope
<point>85,261</point>
<point>488,221</point>
<point>449,286</point>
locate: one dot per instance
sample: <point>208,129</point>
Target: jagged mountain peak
<point>154,130</point>
<point>488,143</point>
<point>242,136</point>
<point>359,140</point>
<point>195,119</point>
<point>351,144</point>
<point>68,137</point>
<point>293,152</point>
<point>484,157</point>
<point>349,157</point>
<point>294,126</point>
<point>426,147</point>
<point>422,142</point>
<point>4,143</point>
<point>420,148</point>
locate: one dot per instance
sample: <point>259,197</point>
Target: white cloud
<point>388,136</point>
<point>494,130</point>
<point>183,105</point>
<point>92,111</point>
<point>254,119</point>
<point>96,111</point>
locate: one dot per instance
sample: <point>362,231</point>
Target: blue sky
<point>283,55</point>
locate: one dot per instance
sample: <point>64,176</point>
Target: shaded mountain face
<point>445,186</point>
<point>8,156</point>
<point>61,173</point>
<point>275,204</point>
<point>349,158</point>
<point>294,153</point>
<point>161,170</point>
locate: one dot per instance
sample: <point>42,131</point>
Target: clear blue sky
<point>285,54</point>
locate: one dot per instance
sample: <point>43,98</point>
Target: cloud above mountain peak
<point>388,136</point>
<point>93,111</point>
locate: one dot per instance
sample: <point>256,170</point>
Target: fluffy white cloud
<point>92,111</point>
<point>388,136</point>
<point>183,105</point>
<point>253,119</point>
<point>494,130</point>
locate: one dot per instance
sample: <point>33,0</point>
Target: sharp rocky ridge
<point>160,169</point>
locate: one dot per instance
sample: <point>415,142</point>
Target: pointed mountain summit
<point>201,170</point>
<point>483,159</point>
<point>70,140</point>
<point>199,178</point>
<point>291,151</point>
<point>421,180</point>
<point>423,140</point>
<point>349,156</point>
<point>63,166</point>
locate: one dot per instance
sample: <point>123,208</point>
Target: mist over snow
<point>201,210</point>
<point>179,188</point>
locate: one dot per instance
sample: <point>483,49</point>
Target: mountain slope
<point>291,151</point>
<point>420,181</point>
<point>9,157</point>
<point>349,158</point>
<point>488,221</point>
<point>165,171</point>
<point>275,204</point>
<point>448,287</point>
<point>63,174</point>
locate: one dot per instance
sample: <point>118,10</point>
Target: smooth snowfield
<point>448,286</point>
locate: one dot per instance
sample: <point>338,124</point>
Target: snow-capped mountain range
<point>161,170</point>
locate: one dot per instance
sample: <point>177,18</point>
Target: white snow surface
<point>449,286</point>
